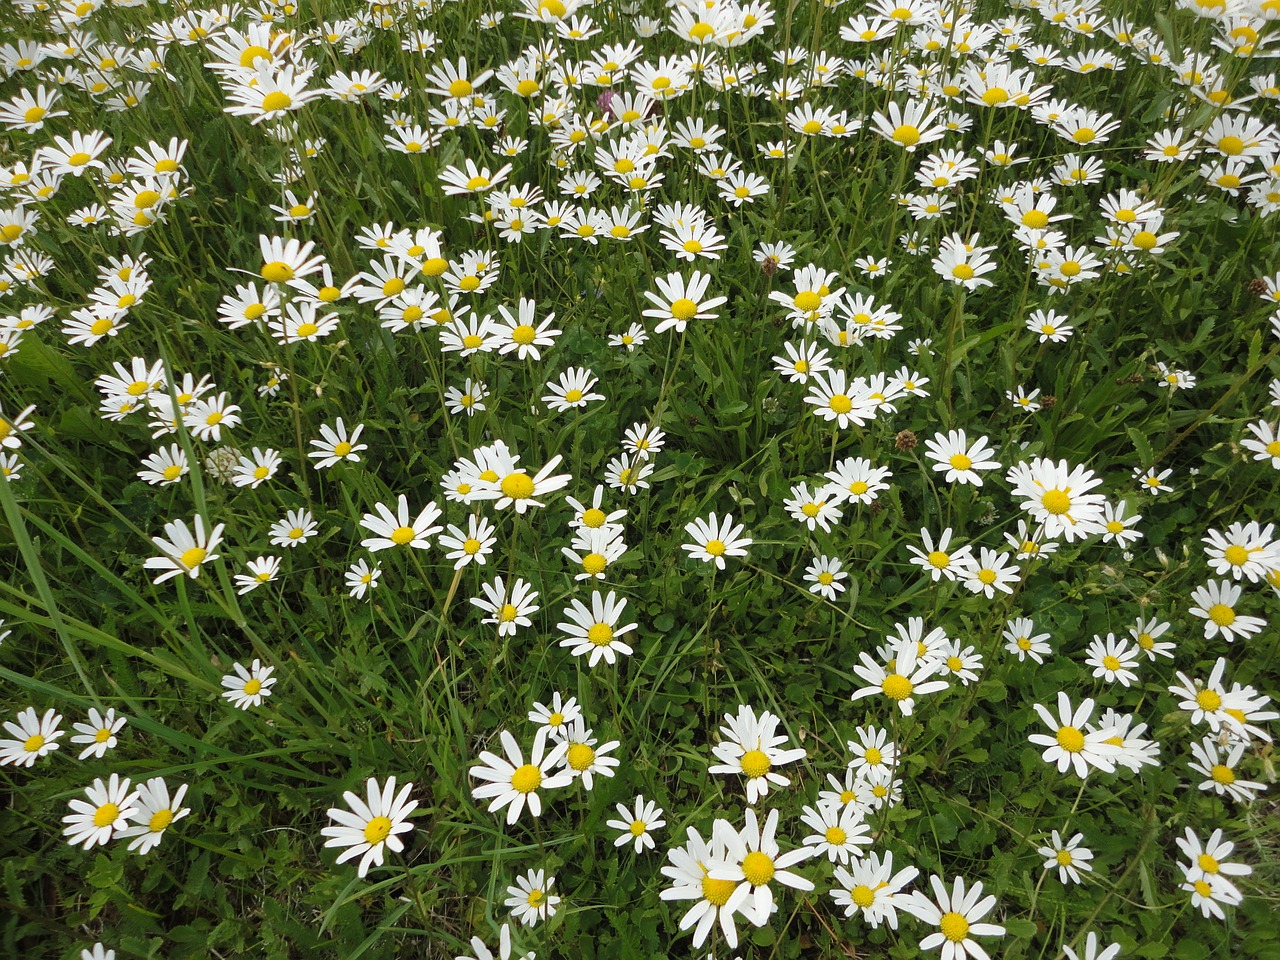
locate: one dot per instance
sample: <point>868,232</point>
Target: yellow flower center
<point>33,743</point>
<point>862,895</point>
<point>526,779</point>
<point>377,830</point>
<point>715,547</point>
<point>159,820</point>
<point>101,327</point>
<point>1070,739</point>
<point>1111,663</point>
<point>755,764</point>
<point>840,403</point>
<point>637,828</point>
<point>906,135</point>
<point>103,735</point>
<point>402,535</point>
<point>1236,555</point>
<point>1114,526</point>
<point>1207,863</point>
<point>277,271</point>
<point>459,88</point>
<point>1222,615</point>
<point>1084,135</point>
<point>836,837</point>
<point>961,462</point>
<point>277,100</point>
<point>954,927</point>
<point>995,96</point>
<point>517,486</point>
<point>897,687</point>
<point>962,271</point>
<point>600,634</point>
<point>1208,700</point>
<point>717,892</point>
<point>105,815</point>
<point>1057,502</point>
<point>593,518</point>
<point>508,613</point>
<point>1204,889</point>
<point>469,283</point>
<point>307,330</point>
<point>523,334</point>
<point>573,396</point>
<point>808,301</point>
<point>1064,858</point>
<point>987,575</point>
<point>253,686</point>
<point>1221,773</point>
<point>192,558</point>
<point>580,756</point>
<point>758,868</point>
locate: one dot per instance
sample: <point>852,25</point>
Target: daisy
<point>184,551</point>
<point>104,816</point>
<point>989,572</point>
<point>839,832</point>
<point>361,578</point>
<point>909,128</point>
<point>594,630</point>
<point>513,783</point>
<point>754,861</point>
<point>1070,746</point>
<point>99,733</point>
<point>472,545</point>
<point>628,473</point>
<point>262,570</point>
<point>938,561</point>
<point>861,482</point>
<point>870,887</point>
<point>74,155</point>
<point>823,576</point>
<point>586,757</point>
<point>1215,602</point>
<point>751,746</point>
<point>36,737</point>
<point>508,612</point>
<point>1113,659</point>
<point>1056,495</point>
<point>643,441</point>
<point>371,827</point>
<point>906,678</point>
<point>573,390</point>
<point>154,814</point>
<point>1210,893</point>
<point>1146,633</point>
<point>1217,764</point>
<point>960,661</point>
<point>336,444</point>
<point>255,470</point>
<point>1116,527</point>
<point>531,899</point>
<point>834,397</point>
<point>1208,859</point>
<point>246,688</point>
<point>802,361</point>
<point>553,721</point>
<point>1245,550</point>
<point>397,530</point>
<point>1070,858</point>
<point>285,260</point>
<point>637,824</point>
<point>1153,481</point>
<point>1023,641</point>
<point>167,465</point>
<point>1265,443</point>
<point>595,550</point>
<point>593,517</point>
<point>296,528</point>
<point>954,454</point>
<point>815,509</point>
<point>693,239</point>
<point>681,300</point>
<point>469,400</point>
<point>635,336</point>
<point>206,419</point>
<point>713,540</point>
<point>457,181</point>
<point>514,487</point>
<point>956,914</point>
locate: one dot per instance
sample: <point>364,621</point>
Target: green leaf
<point>1024,929</point>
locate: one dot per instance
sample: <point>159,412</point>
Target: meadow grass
<point>696,271</point>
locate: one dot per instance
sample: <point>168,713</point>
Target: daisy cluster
<point>570,356</point>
